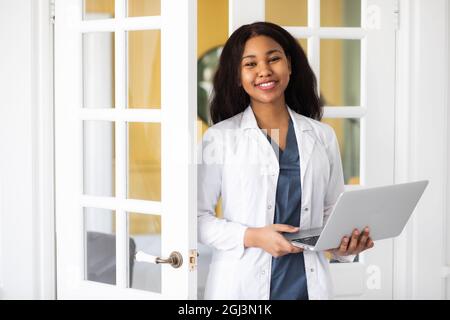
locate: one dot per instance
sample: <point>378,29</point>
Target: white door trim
<point>43,145</point>
<point>422,146</point>
<point>244,12</point>
<point>447,243</point>
<point>27,241</point>
<point>402,257</point>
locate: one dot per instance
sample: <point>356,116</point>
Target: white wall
<point>422,146</point>
<point>430,146</point>
<point>25,125</point>
<point>16,162</point>
<point>447,248</point>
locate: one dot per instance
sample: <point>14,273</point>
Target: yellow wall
<point>212,31</point>
<point>212,16</point>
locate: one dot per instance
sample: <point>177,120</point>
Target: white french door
<point>96,134</point>
<point>369,102</point>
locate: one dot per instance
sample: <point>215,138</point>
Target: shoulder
<point>230,123</point>
<point>322,132</point>
<point>218,132</point>
<point>222,127</point>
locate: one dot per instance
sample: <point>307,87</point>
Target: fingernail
<point>366,229</point>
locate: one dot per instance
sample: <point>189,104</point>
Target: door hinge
<point>52,11</point>
<point>193,254</point>
<point>396,14</point>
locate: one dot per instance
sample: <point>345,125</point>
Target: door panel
<point>125,148</point>
<point>351,48</point>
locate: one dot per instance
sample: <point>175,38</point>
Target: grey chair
<point>101,257</point>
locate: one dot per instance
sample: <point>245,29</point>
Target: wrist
<point>250,237</point>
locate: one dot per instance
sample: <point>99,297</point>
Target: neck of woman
<point>271,116</point>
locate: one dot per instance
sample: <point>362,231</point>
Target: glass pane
<point>145,236</point>
<point>139,8</point>
<point>340,13</point>
<point>144,69</point>
<point>340,72</point>
<point>100,245</point>
<point>98,70</point>
<point>347,132</point>
<point>287,12</point>
<point>98,9</point>
<point>98,158</point>
<point>144,161</point>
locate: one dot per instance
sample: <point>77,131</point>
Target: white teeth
<point>267,84</point>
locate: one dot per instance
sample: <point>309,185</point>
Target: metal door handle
<point>175,259</point>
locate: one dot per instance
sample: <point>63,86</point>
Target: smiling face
<point>265,71</point>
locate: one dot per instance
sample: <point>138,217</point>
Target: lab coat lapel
<point>305,141</point>
<point>267,159</point>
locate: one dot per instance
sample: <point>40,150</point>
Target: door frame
<point>45,186</point>
<point>27,269</point>
<point>42,256</point>
<point>421,148</point>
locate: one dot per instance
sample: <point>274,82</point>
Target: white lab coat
<point>237,162</point>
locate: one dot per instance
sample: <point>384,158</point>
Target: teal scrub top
<point>288,277</point>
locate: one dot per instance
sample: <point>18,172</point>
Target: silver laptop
<point>385,210</point>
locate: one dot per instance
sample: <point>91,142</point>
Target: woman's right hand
<point>270,239</point>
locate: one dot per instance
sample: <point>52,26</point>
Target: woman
<point>276,167</point>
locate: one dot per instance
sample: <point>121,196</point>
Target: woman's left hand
<point>358,242</point>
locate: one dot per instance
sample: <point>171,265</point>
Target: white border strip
<point>344,112</point>
<point>313,41</point>
<point>128,115</point>
<point>126,205</point>
<point>44,130</point>
<point>121,148</point>
<point>117,24</point>
<point>244,12</point>
<point>327,33</point>
<point>351,187</point>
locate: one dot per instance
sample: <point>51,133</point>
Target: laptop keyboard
<point>311,241</point>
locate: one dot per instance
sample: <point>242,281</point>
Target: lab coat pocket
<point>221,281</point>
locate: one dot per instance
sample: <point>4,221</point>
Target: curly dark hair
<point>230,99</point>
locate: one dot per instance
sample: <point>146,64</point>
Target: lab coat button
<point>269,207</point>
<point>306,209</point>
<point>263,272</point>
<point>312,269</point>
